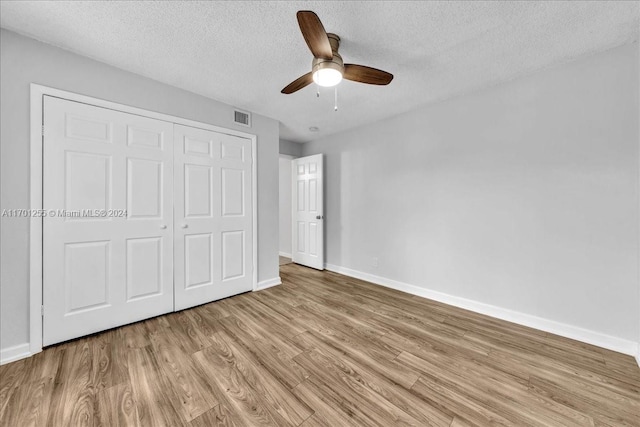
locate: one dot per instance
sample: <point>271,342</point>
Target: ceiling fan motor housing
<point>336,62</point>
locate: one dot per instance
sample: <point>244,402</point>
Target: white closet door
<point>213,216</point>
<point>307,216</point>
<point>107,236</point>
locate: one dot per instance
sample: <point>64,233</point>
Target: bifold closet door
<point>213,255</point>
<point>107,233</point>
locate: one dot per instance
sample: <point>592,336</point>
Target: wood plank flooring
<point>283,260</point>
<point>322,350</point>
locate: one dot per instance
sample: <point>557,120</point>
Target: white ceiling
<point>244,53</point>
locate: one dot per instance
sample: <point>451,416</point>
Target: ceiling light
<point>327,77</point>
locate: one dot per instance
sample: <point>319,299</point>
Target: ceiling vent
<point>242,118</point>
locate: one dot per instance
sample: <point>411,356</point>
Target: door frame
<point>290,210</point>
<point>37,93</point>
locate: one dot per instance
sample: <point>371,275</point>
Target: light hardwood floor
<point>284,260</point>
<point>322,349</point>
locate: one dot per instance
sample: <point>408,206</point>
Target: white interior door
<point>213,223</point>
<point>107,234</point>
<point>307,211</point>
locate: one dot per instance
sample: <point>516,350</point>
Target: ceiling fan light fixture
<point>327,77</point>
<point>327,73</point>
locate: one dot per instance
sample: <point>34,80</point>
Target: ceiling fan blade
<point>297,84</point>
<point>362,74</point>
<point>314,34</point>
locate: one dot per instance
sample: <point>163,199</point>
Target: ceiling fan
<point>327,68</point>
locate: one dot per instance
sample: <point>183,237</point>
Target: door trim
<point>36,163</point>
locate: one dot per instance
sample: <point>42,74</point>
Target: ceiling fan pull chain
<point>317,91</point>
<point>335,107</point>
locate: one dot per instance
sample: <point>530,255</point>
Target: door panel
<point>313,195</point>
<point>87,181</point>
<point>300,195</point>
<point>103,269</point>
<point>199,258</point>
<point>144,138</point>
<point>86,275</point>
<point>198,148</point>
<point>198,191</point>
<point>231,151</point>
<point>313,239</point>
<point>232,192</point>
<point>88,128</point>
<point>144,267</point>
<point>232,255</point>
<point>213,224</point>
<point>301,235</point>
<point>144,188</point>
<point>307,215</point>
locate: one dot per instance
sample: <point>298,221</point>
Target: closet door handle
<point>184,226</point>
<point>163,227</point>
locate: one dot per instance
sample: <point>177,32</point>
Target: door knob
<point>184,226</point>
<point>163,227</point>
<point>320,217</point>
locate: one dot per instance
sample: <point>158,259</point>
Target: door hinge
<point>42,310</point>
<point>42,130</point>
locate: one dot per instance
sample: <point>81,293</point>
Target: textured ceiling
<point>244,53</point>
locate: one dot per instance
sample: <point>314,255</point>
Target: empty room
<point>292,213</point>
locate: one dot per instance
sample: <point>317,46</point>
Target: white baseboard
<point>265,284</point>
<point>14,353</point>
<point>590,337</point>
<point>286,255</point>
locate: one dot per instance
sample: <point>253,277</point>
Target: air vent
<point>242,118</point>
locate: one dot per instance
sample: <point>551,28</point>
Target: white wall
<point>290,148</point>
<point>523,196</point>
<point>285,205</point>
<point>24,61</point>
